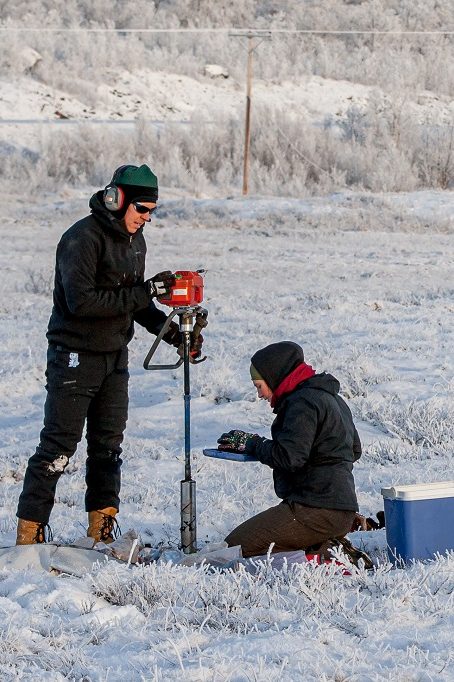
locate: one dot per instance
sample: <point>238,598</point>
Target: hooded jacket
<point>98,287</point>
<point>314,441</point>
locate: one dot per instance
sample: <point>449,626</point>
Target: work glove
<point>195,347</point>
<point>173,335</point>
<point>237,441</point>
<point>160,285</point>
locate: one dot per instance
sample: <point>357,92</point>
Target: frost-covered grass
<point>364,283</point>
<point>166,622</point>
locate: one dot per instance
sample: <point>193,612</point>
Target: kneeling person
<point>313,446</point>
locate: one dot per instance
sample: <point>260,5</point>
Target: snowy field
<point>364,283</point>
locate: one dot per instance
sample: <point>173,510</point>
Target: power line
<point>295,31</point>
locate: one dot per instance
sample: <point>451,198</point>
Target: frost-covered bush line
<point>205,159</point>
<point>193,596</point>
<point>418,298</point>
<point>359,375</point>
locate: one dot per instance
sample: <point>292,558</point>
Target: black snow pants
<point>81,387</point>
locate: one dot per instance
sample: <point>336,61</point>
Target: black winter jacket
<point>98,288</point>
<point>314,441</point>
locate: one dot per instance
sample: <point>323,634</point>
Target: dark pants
<point>81,387</point>
<point>290,526</point>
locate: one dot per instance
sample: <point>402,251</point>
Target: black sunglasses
<point>140,208</point>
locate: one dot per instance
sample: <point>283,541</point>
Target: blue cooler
<point>419,520</point>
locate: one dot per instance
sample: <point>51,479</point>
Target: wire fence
<point>228,30</point>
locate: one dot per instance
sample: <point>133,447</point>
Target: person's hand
<point>173,335</point>
<point>201,322</point>
<point>160,285</point>
<point>196,341</point>
<point>195,347</point>
<point>235,441</point>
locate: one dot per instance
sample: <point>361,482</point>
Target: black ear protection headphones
<point>114,197</point>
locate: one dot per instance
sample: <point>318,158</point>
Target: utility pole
<point>251,47</point>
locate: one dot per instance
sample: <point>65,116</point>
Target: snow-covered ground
<point>364,283</point>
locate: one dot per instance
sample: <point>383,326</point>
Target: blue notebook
<point>225,454</point>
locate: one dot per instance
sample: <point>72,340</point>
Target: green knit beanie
<point>255,376</point>
<point>137,183</point>
<point>141,176</point>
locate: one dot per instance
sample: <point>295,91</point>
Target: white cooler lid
<point>419,491</point>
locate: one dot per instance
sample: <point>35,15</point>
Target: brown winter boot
<point>31,532</point>
<point>102,525</point>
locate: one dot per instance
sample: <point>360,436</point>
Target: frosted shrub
<point>356,379</point>
<point>220,601</point>
<point>435,155</point>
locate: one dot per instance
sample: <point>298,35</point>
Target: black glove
<point>160,285</point>
<point>173,335</point>
<point>236,441</point>
<point>201,322</point>
<point>173,338</point>
<point>195,347</point>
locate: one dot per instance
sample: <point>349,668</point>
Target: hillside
<point>355,110</point>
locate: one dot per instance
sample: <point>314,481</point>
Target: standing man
<point>99,292</point>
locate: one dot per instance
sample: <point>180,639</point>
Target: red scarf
<point>291,381</point>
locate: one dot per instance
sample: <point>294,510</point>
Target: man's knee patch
<point>55,466</point>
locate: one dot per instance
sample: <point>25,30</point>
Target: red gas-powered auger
<point>184,298</point>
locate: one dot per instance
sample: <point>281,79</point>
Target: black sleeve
<point>292,447</point>
<point>77,261</point>
<point>151,317</point>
